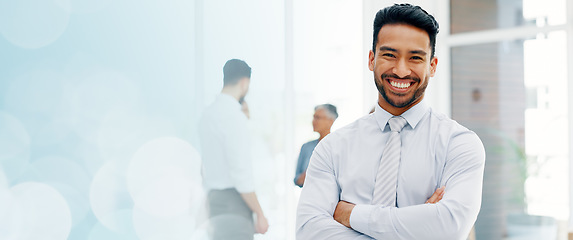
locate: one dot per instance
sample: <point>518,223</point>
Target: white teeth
<point>400,85</point>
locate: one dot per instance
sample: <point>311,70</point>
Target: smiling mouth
<point>400,85</point>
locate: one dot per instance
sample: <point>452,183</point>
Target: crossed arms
<point>344,208</point>
<point>322,214</point>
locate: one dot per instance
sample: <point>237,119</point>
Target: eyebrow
<point>384,48</point>
<point>421,52</point>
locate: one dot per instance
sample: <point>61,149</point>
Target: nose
<point>401,69</point>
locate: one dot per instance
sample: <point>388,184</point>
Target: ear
<point>371,60</point>
<point>332,122</point>
<point>244,83</point>
<point>433,65</point>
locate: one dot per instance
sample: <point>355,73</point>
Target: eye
<point>417,58</point>
<point>390,55</point>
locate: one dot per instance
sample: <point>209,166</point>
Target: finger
<point>264,228</point>
<point>433,198</point>
<point>442,194</point>
<point>437,196</point>
<point>261,229</point>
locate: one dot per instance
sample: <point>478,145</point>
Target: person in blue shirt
<point>324,116</point>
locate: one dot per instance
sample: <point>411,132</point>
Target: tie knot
<point>397,123</point>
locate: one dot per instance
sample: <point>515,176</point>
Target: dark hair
<point>406,14</point>
<point>331,109</point>
<point>234,70</point>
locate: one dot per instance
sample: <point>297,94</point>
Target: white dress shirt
<point>436,151</point>
<point>225,146</point>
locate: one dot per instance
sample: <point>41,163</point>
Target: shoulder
<point>357,129</point>
<point>223,114</point>
<point>447,125</point>
<point>313,142</point>
<point>457,137</point>
<point>310,144</point>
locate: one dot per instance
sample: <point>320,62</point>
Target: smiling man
<point>404,171</point>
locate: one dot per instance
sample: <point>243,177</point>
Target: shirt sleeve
<point>451,218</point>
<point>238,153</point>
<point>318,199</point>
<point>299,165</point>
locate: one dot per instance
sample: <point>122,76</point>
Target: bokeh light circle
<point>122,132</point>
<point>163,180</point>
<point>33,23</point>
<point>167,196</point>
<point>84,6</point>
<point>36,97</point>
<point>149,227</point>
<point>3,180</point>
<point>44,212</point>
<point>109,196</point>
<point>124,218</point>
<point>69,178</point>
<point>161,158</point>
<point>56,169</point>
<point>11,217</point>
<point>14,146</point>
<point>97,95</point>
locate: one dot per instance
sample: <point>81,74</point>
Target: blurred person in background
<point>226,160</point>
<point>324,117</point>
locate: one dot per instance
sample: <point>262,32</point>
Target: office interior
<point>99,105</point>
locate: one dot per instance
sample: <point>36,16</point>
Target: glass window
<point>513,94</point>
<point>328,67</point>
<point>470,15</point>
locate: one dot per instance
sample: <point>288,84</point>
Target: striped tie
<point>386,179</point>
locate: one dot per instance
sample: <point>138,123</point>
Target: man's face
<point>402,65</point>
<point>321,122</point>
<point>244,84</point>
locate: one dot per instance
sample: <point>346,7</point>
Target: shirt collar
<point>412,115</point>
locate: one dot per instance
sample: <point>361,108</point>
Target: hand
<point>261,224</point>
<point>437,196</point>
<point>245,109</point>
<point>342,212</point>
<point>301,178</point>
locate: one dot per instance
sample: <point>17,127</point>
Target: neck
<point>232,91</point>
<point>323,134</point>
<point>394,110</point>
